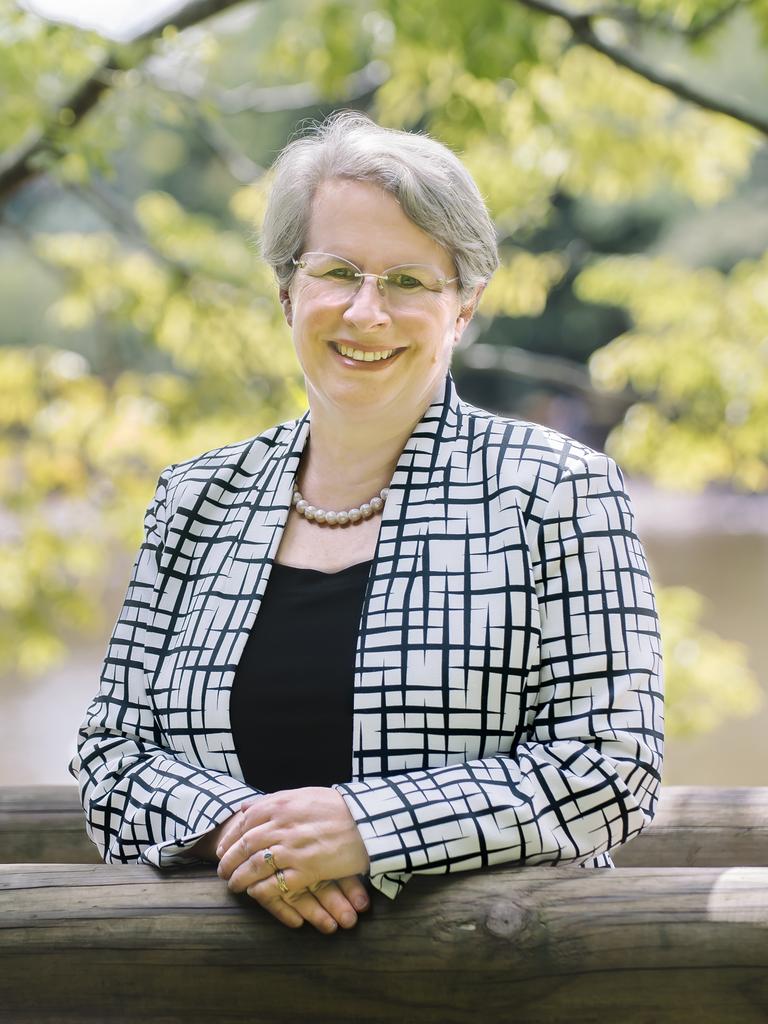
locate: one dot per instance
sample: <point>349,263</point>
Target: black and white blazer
<point>507,688</point>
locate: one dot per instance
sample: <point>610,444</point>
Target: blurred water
<point>718,545</point>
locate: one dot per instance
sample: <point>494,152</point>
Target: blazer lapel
<point>261,520</point>
<point>396,605</point>
<point>219,620</point>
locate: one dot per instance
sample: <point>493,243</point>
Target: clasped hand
<point>314,841</point>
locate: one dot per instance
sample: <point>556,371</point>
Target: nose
<point>367,309</point>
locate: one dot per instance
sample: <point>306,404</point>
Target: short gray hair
<point>431,184</point>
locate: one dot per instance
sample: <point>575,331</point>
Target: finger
<point>242,868</point>
<point>231,834</point>
<point>255,869</point>
<point>241,823</point>
<point>305,904</point>
<point>354,889</point>
<point>334,901</point>
<point>244,863</point>
<point>244,845</point>
<point>278,908</point>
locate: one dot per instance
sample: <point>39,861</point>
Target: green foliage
<point>707,678</point>
<point>698,355</point>
<point>521,284</point>
<point>172,341</point>
<point>40,64</point>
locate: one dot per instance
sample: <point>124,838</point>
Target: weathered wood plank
<point>703,826</point>
<point>43,824</point>
<point>116,944</point>
<point>696,826</point>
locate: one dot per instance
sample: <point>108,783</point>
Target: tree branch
<point>239,165</point>
<point>631,16</point>
<point>581,26</point>
<point>267,99</point>
<point>555,371</point>
<point>20,164</point>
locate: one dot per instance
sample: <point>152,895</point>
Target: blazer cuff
<point>175,852</point>
<point>380,819</point>
<point>390,885</point>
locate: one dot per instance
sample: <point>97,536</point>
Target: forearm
<point>550,803</point>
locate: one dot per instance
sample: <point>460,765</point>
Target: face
<point>365,224</point>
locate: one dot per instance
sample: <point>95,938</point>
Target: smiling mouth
<point>364,356</point>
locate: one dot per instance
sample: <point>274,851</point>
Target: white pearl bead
<point>384,492</point>
<point>376,504</point>
<point>355,515</point>
<point>309,512</point>
<point>342,518</point>
<point>296,498</point>
<point>302,506</point>
<point>319,515</point>
<point>366,510</point>
<point>331,518</point>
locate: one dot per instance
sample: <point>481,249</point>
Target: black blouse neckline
<point>321,572</point>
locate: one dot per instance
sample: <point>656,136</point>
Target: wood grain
<point>126,943</point>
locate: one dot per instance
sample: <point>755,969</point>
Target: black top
<point>291,702</point>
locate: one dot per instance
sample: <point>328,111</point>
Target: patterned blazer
<point>507,685</point>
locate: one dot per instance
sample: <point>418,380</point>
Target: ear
<point>466,312</point>
<point>285,302</point>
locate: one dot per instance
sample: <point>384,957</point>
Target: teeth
<point>364,357</point>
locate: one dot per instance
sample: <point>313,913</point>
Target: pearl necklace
<point>352,515</point>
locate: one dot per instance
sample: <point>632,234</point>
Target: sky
<point>118,19</point>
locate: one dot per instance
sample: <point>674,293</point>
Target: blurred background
<point>621,147</point>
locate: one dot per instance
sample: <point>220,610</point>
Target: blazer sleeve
<point>585,775</point>
<point>142,803</point>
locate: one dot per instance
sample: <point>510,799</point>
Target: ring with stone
<point>270,860</point>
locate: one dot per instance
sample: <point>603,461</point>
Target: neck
<point>347,463</point>
<point>340,470</point>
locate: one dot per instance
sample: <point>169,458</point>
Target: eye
<point>405,281</point>
<point>341,273</point>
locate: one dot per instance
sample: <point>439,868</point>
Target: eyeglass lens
<point>401,284</point>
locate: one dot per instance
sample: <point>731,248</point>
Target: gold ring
<point>281,880</point>
<point>270,860</point>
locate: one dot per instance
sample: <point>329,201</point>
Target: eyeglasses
<point>404,285</point>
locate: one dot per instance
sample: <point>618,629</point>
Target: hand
<point>331,904</point>
<point>312,836</point>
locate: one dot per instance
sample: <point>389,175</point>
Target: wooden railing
<point>678,932</point>
<point>695,826</point>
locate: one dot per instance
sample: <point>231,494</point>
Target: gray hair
<point>431,184</point>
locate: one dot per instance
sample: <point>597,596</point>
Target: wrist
<point>205,847</point>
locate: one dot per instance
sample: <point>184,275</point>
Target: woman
<point>456,665</point>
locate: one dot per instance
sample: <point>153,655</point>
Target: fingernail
<point>219,850</point>
<point>361,903</point>
<point>331,927</point>
<point>348,920</point>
